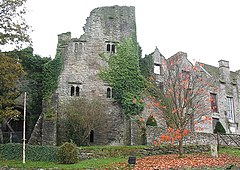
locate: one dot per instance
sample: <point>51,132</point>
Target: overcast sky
<point>207,30</point>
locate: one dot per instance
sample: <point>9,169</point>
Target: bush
<point>219,128</point>
<point>151,121</point>
<point>13,151</point>
<point>68,153</point>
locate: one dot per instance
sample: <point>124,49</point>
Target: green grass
<point>92,163</point>
<point>234,151</point>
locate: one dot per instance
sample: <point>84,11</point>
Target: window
<point>230,109</point>
<point>113,48</point>
<point>157,69</point>
<point>91,136</point>
<point>160,85</point>
<point>77,91</point>
<point>76,48</point>
<point>108,92</point>
<point>74,88</point>
<point>108,47</point>
<point>185,74</point>
<point>72,91</point>
<point>213,100</point>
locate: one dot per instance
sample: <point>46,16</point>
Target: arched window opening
<point>108,48</point>
<point>91,136</point>
<point>72,91</point>
<point>76,47</point>
<point>108,92</point>
<point>113,48</point>
<point>77,91</point>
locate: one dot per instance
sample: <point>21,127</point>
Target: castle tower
<point>104,29</point>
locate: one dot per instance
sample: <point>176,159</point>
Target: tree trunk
<point>181,148</point>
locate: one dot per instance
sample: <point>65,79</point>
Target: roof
<point>214,71</point>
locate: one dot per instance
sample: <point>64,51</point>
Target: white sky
<point>208,30</point>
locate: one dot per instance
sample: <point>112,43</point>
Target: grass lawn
<point>91,163</point>
<point>234,151</point>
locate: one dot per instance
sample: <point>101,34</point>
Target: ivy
<point>125,77</point>
<point>146,65</point>
<point>51,72</point>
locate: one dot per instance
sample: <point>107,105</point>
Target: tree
<point>219,128</point>
<point>10,72</point>
<point>184,101</point>
<point>83,116</point>
<point>13,26</point>
<point>31,82</point>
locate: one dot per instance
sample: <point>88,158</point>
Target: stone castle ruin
<point>104,28</point>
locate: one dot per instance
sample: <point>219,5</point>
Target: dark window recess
<point>72,91</point>
<point>161,85</point>
<point>76,47</point>
<point>113,48</point>
<point>77,91</point>
<point>91,136</point>
<point>213,100</point>
<point>108,92</point>
<point>108,47</point>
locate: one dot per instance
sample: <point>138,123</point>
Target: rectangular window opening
<point>230,109</point>
<point>213,100</point>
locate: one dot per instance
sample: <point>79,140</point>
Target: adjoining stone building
<point>223,99</point>
<point>104,28</point>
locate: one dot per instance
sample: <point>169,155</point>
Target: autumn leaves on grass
<point>173,161</point>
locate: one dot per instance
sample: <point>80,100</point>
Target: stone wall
<point>148,151</point>
<point>197,138</point>
<point>49,122</point>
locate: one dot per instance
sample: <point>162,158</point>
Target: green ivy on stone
<point>125,77</point>
<point>51,72</point>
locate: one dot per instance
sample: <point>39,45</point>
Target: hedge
<point>13,151</point>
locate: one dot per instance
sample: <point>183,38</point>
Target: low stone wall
<point>148,151</point>
<point>196,138</point>
<point>200,139</point>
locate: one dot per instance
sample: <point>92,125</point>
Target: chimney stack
<point>224,71</point>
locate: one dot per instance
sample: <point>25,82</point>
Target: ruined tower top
<point>113,23</point>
